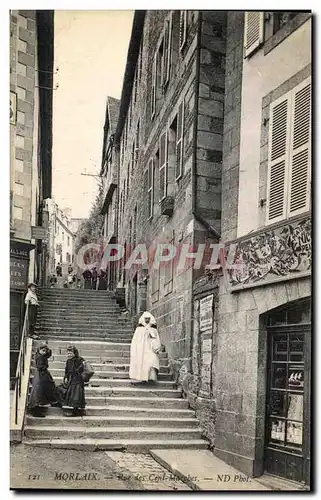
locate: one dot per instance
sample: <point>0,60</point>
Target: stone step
<point>158,402</point>
<point>131,391</point>
<point>74,291</point>
<point>66,301</point>
<point>129,411</point>
<point>85,328</point>
<point>99,324</point>
<point>81,432</point>
<point>82,312</point>
<point>74,338</point>
<point>102,375</point>
<point>117,367</point>
<point>87,345</point>
<point>104,421</point>
<point>83,350</point>
<point>92,309</point>
<point>129,445</point>
<point>114,381</point>
<point>113,358</point>
<point>76,319</point>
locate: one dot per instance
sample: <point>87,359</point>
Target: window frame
<point>182,29</point>
<point>180,141</point>
<point>289,97</point>
<point>164,165</point>
<point>150,188</point>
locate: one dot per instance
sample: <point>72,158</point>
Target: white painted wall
<point>261,75</point>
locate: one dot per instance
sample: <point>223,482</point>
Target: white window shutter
<point>163,166</point>
<point>154,79</point>
<point>179,141</point>
<point>167,50</point>
<point>253,31</point>
<point>279,133</point>
<point>182,28</point>
<point>300,151</point>
<point>150,176</point>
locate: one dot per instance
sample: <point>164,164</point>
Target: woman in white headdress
<point>144,349</point>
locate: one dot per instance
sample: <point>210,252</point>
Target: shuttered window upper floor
<point>289,155</point>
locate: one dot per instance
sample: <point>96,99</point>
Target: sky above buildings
<point>90,52</point>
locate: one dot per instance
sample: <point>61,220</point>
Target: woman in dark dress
<point>74,393</point>
<point>43,392</point>
<point>102,284</point>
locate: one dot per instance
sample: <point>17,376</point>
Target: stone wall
<point>232,124</point>
<point>22,81</point>
<point>171,305</point>
<point>210,116</point>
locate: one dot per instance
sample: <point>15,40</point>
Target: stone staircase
<point>119,415</point>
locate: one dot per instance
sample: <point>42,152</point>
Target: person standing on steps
<point>144,350</point>
<point>72,391</point>
<point>32,300</point>
<point>102,284</point>
<point>87,278</point>
<point>43,392</point>
<point>59,269</point>
<point>94,278</point>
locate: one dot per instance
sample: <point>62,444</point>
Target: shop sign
<point>206,313</point>
<point>18,273</point>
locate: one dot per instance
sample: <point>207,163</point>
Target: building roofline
<point>132,56</point>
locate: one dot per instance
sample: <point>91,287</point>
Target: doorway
<point>287,440</point>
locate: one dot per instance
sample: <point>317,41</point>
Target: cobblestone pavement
<point>34,467</point>
<point>147,471</point>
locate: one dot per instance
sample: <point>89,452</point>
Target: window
<point>68,240</point>
<point>179,142</point>
<point>167,51</point>
<point>253,31</point>
<point>127,180</point>
<point>17,212</point>
<point>140,61</point>
<point>182,29</point>
<point>135,227</point>
<point>280,19</point>
<point>136,151</point>
<point>132,158</point>
<point>163,166</point>
<point>63,236</point>
<point>153,92</point>
<point>135,88</point>
<point>155,285</point>
<point>289,154</point>
<point>168,274</point>
<point>150,180</point>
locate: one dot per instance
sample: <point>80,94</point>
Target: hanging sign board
<point>206,313</point>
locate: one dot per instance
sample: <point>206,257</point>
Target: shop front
<point>19,266</point>
<point>287,440</point>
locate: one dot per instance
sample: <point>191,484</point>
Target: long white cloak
<point>143,353</point>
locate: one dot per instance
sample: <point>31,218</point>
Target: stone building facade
<point>212,145</point>
<point>31,77</point>
<point>110,177</point>
<point>61,237</point>
<point>262,361</point>
<point>169,142</point>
